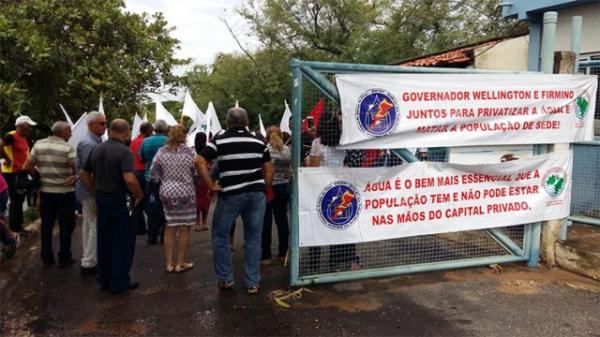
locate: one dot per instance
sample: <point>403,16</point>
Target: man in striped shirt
<point>55,161</point>
<point>245,169</point>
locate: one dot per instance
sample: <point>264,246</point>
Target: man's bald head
<point>119,128</point>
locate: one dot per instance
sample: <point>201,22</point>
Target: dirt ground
<point>518,301</point>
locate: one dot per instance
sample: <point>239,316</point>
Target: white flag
<point>200,125</point>
<point>78,130</point>
<point>135,129</point>
<point>284,125</point>
<point>145,119</point>
<point>263,132</point>
<point>101,106</point>
<point>66,115</point>
<point>190,108</point>
<point>213,125</point>
<point>237,104</point>
<point>101,110</point>
<point>164,114</point>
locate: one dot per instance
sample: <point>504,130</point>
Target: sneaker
<point>253,290</point>
<point>266,262</point>
<point>225,285</point>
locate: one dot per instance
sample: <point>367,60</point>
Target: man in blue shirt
<point>149,148</point>
<point>96,122</point>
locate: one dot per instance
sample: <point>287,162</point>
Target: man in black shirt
<point>245,169</point>
<point>109,174</point>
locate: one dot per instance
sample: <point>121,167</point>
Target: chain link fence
<point>585,200</point>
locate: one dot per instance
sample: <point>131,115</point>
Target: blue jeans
<point>251,206</point>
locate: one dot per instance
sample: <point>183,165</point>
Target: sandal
<point>170,268</point>
<point>184,267</point>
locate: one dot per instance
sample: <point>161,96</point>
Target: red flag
<point>315,113</point>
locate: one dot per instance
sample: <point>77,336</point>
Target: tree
<point>375,31</point>
<point>259,81</point>
<point>70,52</point>
<point>359,31</point>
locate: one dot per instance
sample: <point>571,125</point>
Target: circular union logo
<point>376,112</point>
<point>338,205</point>
<point>554,181</point>
<point>582,104</point>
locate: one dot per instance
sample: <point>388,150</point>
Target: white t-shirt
<point>330,156</point>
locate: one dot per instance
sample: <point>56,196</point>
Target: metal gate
<point>313,83</point>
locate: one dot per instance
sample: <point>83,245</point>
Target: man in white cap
<point>14,149</point>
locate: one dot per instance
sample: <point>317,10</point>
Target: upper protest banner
<point>428,110</point>
<point>348,205</point>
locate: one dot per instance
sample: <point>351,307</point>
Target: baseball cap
<point>25,119</point>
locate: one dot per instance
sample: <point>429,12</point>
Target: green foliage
<point>70,52</point>
<point>359,31</point>
<point>260,83</point>
<point>377,32</point>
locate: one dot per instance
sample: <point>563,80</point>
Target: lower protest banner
<point>350,205</point>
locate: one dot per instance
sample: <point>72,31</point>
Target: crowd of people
<point>156,185</point>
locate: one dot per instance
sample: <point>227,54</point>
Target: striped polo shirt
<point>55,160</point>
<point>240,156</point>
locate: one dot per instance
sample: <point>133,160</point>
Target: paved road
<point>472,302</point>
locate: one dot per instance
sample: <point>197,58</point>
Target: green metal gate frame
<point>313,72</point>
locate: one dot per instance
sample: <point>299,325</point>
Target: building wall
<point>506,55</point>
<point>590,31</point>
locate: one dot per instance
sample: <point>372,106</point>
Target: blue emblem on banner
<point>376,112</point>
<point>338,205</point>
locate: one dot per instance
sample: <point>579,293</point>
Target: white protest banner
<point>348,205</point>
<point>427,110</point>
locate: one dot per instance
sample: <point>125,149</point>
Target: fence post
<point>296,147</point>
<point>576,23</point>
<point>546,66</point>
<point>563,62</point>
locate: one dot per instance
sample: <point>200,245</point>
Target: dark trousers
<point>116,241</point>
<point>139,210</point>
<point>59,206</point>
<point>156,216</point>
<point>15,209</point>
<point>278,208</point>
